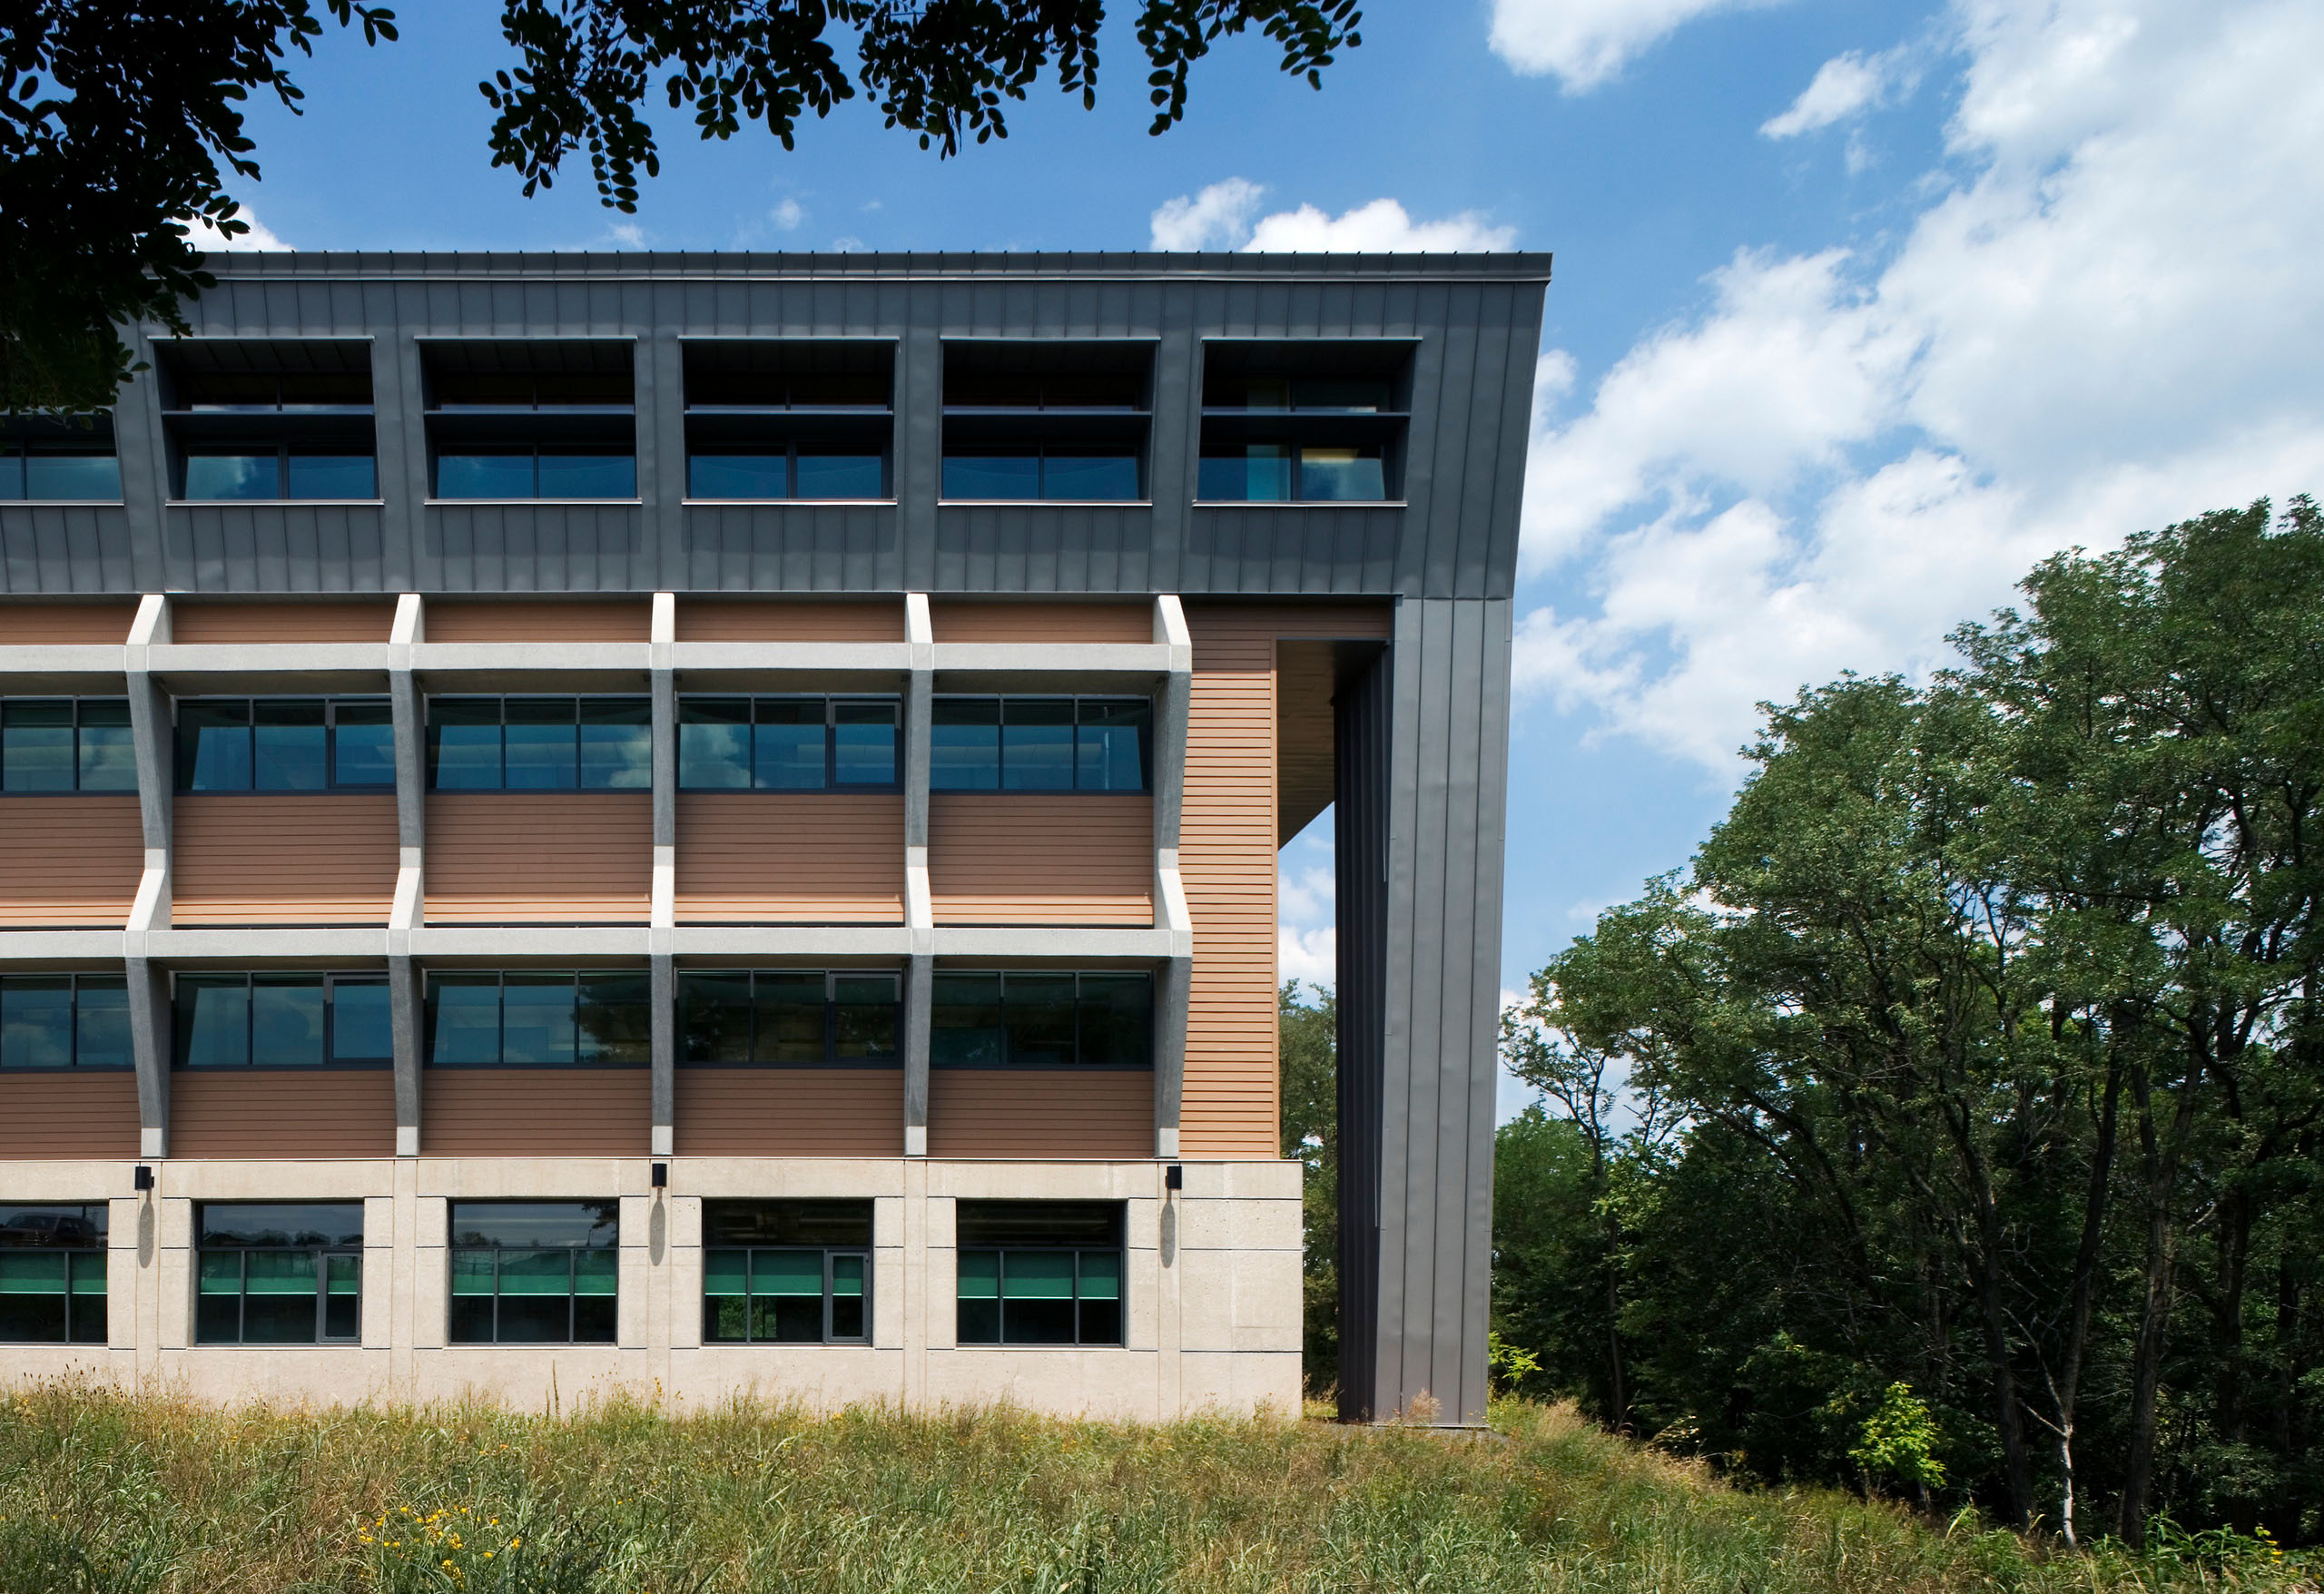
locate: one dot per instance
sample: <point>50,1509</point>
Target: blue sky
<point>1858,309</point>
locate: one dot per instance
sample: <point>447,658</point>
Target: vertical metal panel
<point>65,548</point>
<point>1360,844</point>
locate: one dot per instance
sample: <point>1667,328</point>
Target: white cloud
<point>1583,42</point>
<point>1842,87</point>
<point>847,244</point>
<point>1222,217</point>
<point>1219,217</point>
<point>789,216</point>
<point>1306,943</point>
<point>207,238</point>
<point>626,234</point>
<point>2102,319</point>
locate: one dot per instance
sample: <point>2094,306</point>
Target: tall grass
<point>128,1492</point>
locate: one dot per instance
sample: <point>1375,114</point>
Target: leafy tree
<point>1310,1132</point>
<point>115,119</point>
<point>1992,1018</point>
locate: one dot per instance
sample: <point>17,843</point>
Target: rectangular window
<point>283,1020</point>
<point>534,1272</point>
<point>540,744</point>
<point>285,744</point>
<point>69,461</point>
<point>787,743</point>
<point>786,1271</point>
<point>1280,472</point>
<point>67,745</point>
<point>1041,1272</point>
<point>53,1275</point>
<point>277,1274</point>
<point>789,1017</point>
<point>1036,1019</point>
<point>1080,473</point>
<point>278,470</point>
<point>1039,743</point>
<point>800,470</point>
<point>64,1021</point>
<point>531,1019</point>
<point>532,420</point>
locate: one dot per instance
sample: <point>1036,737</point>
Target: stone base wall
<point>1211,1287</point>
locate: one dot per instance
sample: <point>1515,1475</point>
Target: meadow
<point>111,1492</point>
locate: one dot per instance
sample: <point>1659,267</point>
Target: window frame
<point>454,1250</point>
<point>324,1253</point>
<point>431,741</point>
<point>832,703</point>
<point>1074,700</point>
<point>1008,1042</point>
<point>77,789</point>
<point>1118,1254</point>
<point>1040,450</point>
<point>534,448</point>
<point>830,1253</point>
<point>283,449</point>
<point>471,978</point>
<point>18,448</point>
<point>183,759</point>
<point>120,983</point>
<point>78,1260</point>
<point>831,978</point>
<point>181,1040</point>
<point>791,449</point>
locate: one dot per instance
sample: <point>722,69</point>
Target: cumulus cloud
<point>1845,86</point>
<point>788,216</point>
<point>207,238</point>
<point>1225,216</point>
<point>1583,42</point>
<point>2099,319</point>
<point>1306,943</point>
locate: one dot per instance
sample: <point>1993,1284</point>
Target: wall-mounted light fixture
<point>1174,1177</point>
<point>661,1175</point>
<point>144,1178</point>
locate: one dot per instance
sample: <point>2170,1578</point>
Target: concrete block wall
<point>1211,1284</point>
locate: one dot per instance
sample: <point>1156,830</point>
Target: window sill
<point>1045,503</point>
<point>548,503</point>
<point>1300,504</point>
<point>788,503</point>
<point>271,503</point>
<point>380,1067</point>
<point>100,792</point>
<point>62,503</point>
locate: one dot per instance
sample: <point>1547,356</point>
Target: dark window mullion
<point>827,1295</point>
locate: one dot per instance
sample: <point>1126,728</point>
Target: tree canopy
<point>1974,1141</point>
<point>122,126</point>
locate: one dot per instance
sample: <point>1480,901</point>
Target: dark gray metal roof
<point>1473,321</point>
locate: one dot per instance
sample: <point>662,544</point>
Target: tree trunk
<point>2161,1170</point>
<point>2085,1292</point>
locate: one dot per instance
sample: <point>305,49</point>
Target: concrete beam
<point>920,906</point>
<point>149,1041</point>
<point>407,1014</point>
<point>409,711</point>
<point>1174,978</point>
<point>661,934</point>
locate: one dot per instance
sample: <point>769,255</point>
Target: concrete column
<point>151,734</point>
<point>920,914</point>
<point>1173,980</point>
<point>662,936</point>
<point>408,711</point>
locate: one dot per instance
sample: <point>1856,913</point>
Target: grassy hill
<point>122,1493</point>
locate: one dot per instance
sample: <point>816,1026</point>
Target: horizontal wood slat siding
<point>609,620</point>
<point>69,861</point>
<point>199,622</point>
<point>1227,858</point>
<point>535,1112</point>
<point>68,1115</point>
<point>283,1113</point>
<point>540,857</point>
<point>790,1112</point>
<point>1041,858</point>
<point>776,620</point>
<point>957,621</point>
<point>28,624</point>
<point>812,858</point>
<point>279,858</point>
<point>1039,1112</point>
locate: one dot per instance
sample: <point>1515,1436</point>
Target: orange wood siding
<point>511,620</point>
<point>790,1112</point>
<point>1040,1113</point>
<point>69,862</point>
<point>365,621</point>
<point>25,624</point>
<point>68,1115</point>
<point>283,1113</point>
<point>279,858</point>
<point>959,620</point>
<point>1041,858</point>
<point>796,857</point>
<point>535,1112</point>
<point>796,620</point>
<point>1227,858</point>
<point>540,857</point>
